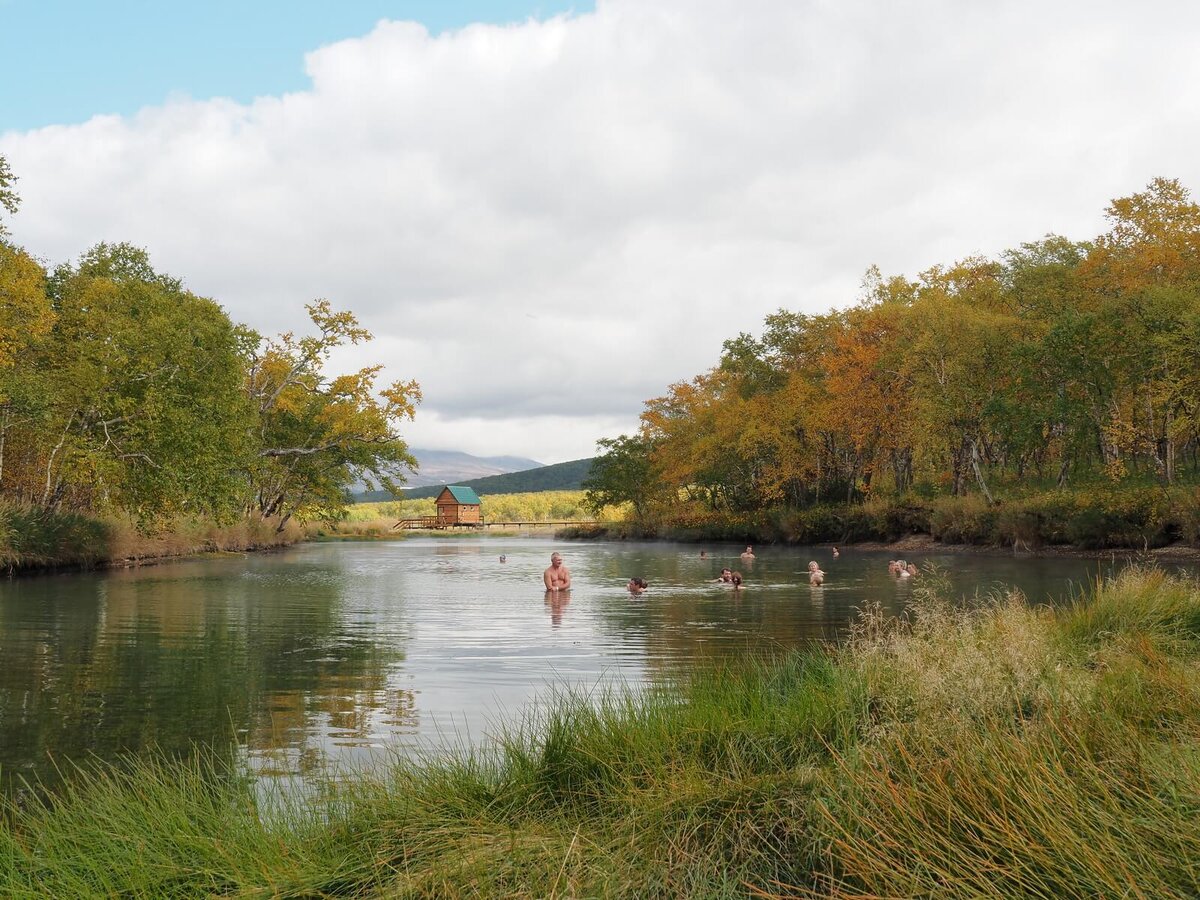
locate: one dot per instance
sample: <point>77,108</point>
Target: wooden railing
<point>424,522</point>
<point>437,522</point>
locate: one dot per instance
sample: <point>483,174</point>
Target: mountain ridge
<point>564,476</point>
<point>438,467</point>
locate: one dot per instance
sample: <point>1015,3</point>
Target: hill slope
<point>439,467</point>
<point>567,476</point>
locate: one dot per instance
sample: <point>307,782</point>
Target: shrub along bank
<point>1130,518</point>
<point>34,539</point>
<point>984,749</point>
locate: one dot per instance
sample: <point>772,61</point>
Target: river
<point>330,653</point>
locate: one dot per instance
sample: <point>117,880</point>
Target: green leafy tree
<point>9,199</point>
<point>622,472</point>
<point>143,383</point>
<point>317,435</point>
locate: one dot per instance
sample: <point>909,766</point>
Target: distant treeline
<point>1058,363</point>
<point>566,476</point>
<point>121,391</point>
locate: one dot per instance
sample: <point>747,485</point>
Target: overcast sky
<point>546,223</point>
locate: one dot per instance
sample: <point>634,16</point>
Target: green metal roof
<point>463,494</point>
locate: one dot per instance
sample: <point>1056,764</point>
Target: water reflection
<point>328,653</point>
<point>165,658</point>
<point>556,602</point>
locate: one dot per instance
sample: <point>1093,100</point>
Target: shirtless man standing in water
<point>558,576</point>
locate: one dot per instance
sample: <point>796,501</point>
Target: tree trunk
<point>979,473</point>
<point>959,456</point>
<point>853,477</point>
<point>50,462</point>
<point>1169,454</point>
<point>1063,470</point>
<point>902,469</point>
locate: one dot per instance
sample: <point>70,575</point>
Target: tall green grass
<point>975,748</point>
<point>31,537</point>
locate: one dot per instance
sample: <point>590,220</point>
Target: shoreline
<point>1177,551</point>
<point>915,543</point>
<point>927,544</point>
<point>117,546</point>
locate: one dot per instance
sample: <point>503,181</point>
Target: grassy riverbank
<point>33,539</point>
<point>1095,518</point>
<point>981,750</point>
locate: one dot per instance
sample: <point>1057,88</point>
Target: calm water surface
<point>333,652</point>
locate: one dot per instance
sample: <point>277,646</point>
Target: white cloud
<point>547,223</point>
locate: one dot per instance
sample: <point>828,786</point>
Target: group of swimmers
<point>557,577</point>
<point>816,577</point>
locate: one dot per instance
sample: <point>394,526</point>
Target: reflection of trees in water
<point>173,658</point>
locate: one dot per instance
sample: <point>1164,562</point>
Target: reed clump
<point>974,748</point>
<point>32,537</point>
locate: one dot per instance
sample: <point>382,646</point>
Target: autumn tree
<point>26,318</point>
<point>1059,357</point>
<point>317,435</point>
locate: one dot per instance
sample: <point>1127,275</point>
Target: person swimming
<point>725,577</point>
<point>836,554</point>
<point>637,585</point>
<point>735,581</point>
<point>815,575</point>
<point>503,558</point>
<point>558,576</point>
<point>748,553</point>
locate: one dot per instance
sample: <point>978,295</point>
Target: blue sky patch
<point>63,62</point>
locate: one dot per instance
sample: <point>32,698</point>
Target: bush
<point>1132,518</point>
<point>1184,516</point>
<point>814,525</point>
<point>963,520</point>
<point>33,538</point>
<point>901,516</point>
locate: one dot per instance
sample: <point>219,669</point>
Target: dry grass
<point>956,664</point>
<point>186,537</point>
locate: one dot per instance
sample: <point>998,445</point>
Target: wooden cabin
<point>458,506</point>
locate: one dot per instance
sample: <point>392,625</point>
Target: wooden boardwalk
<point>435,524</point>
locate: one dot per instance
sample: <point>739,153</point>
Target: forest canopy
<point>122,391</point>
<point>1057,362</point>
